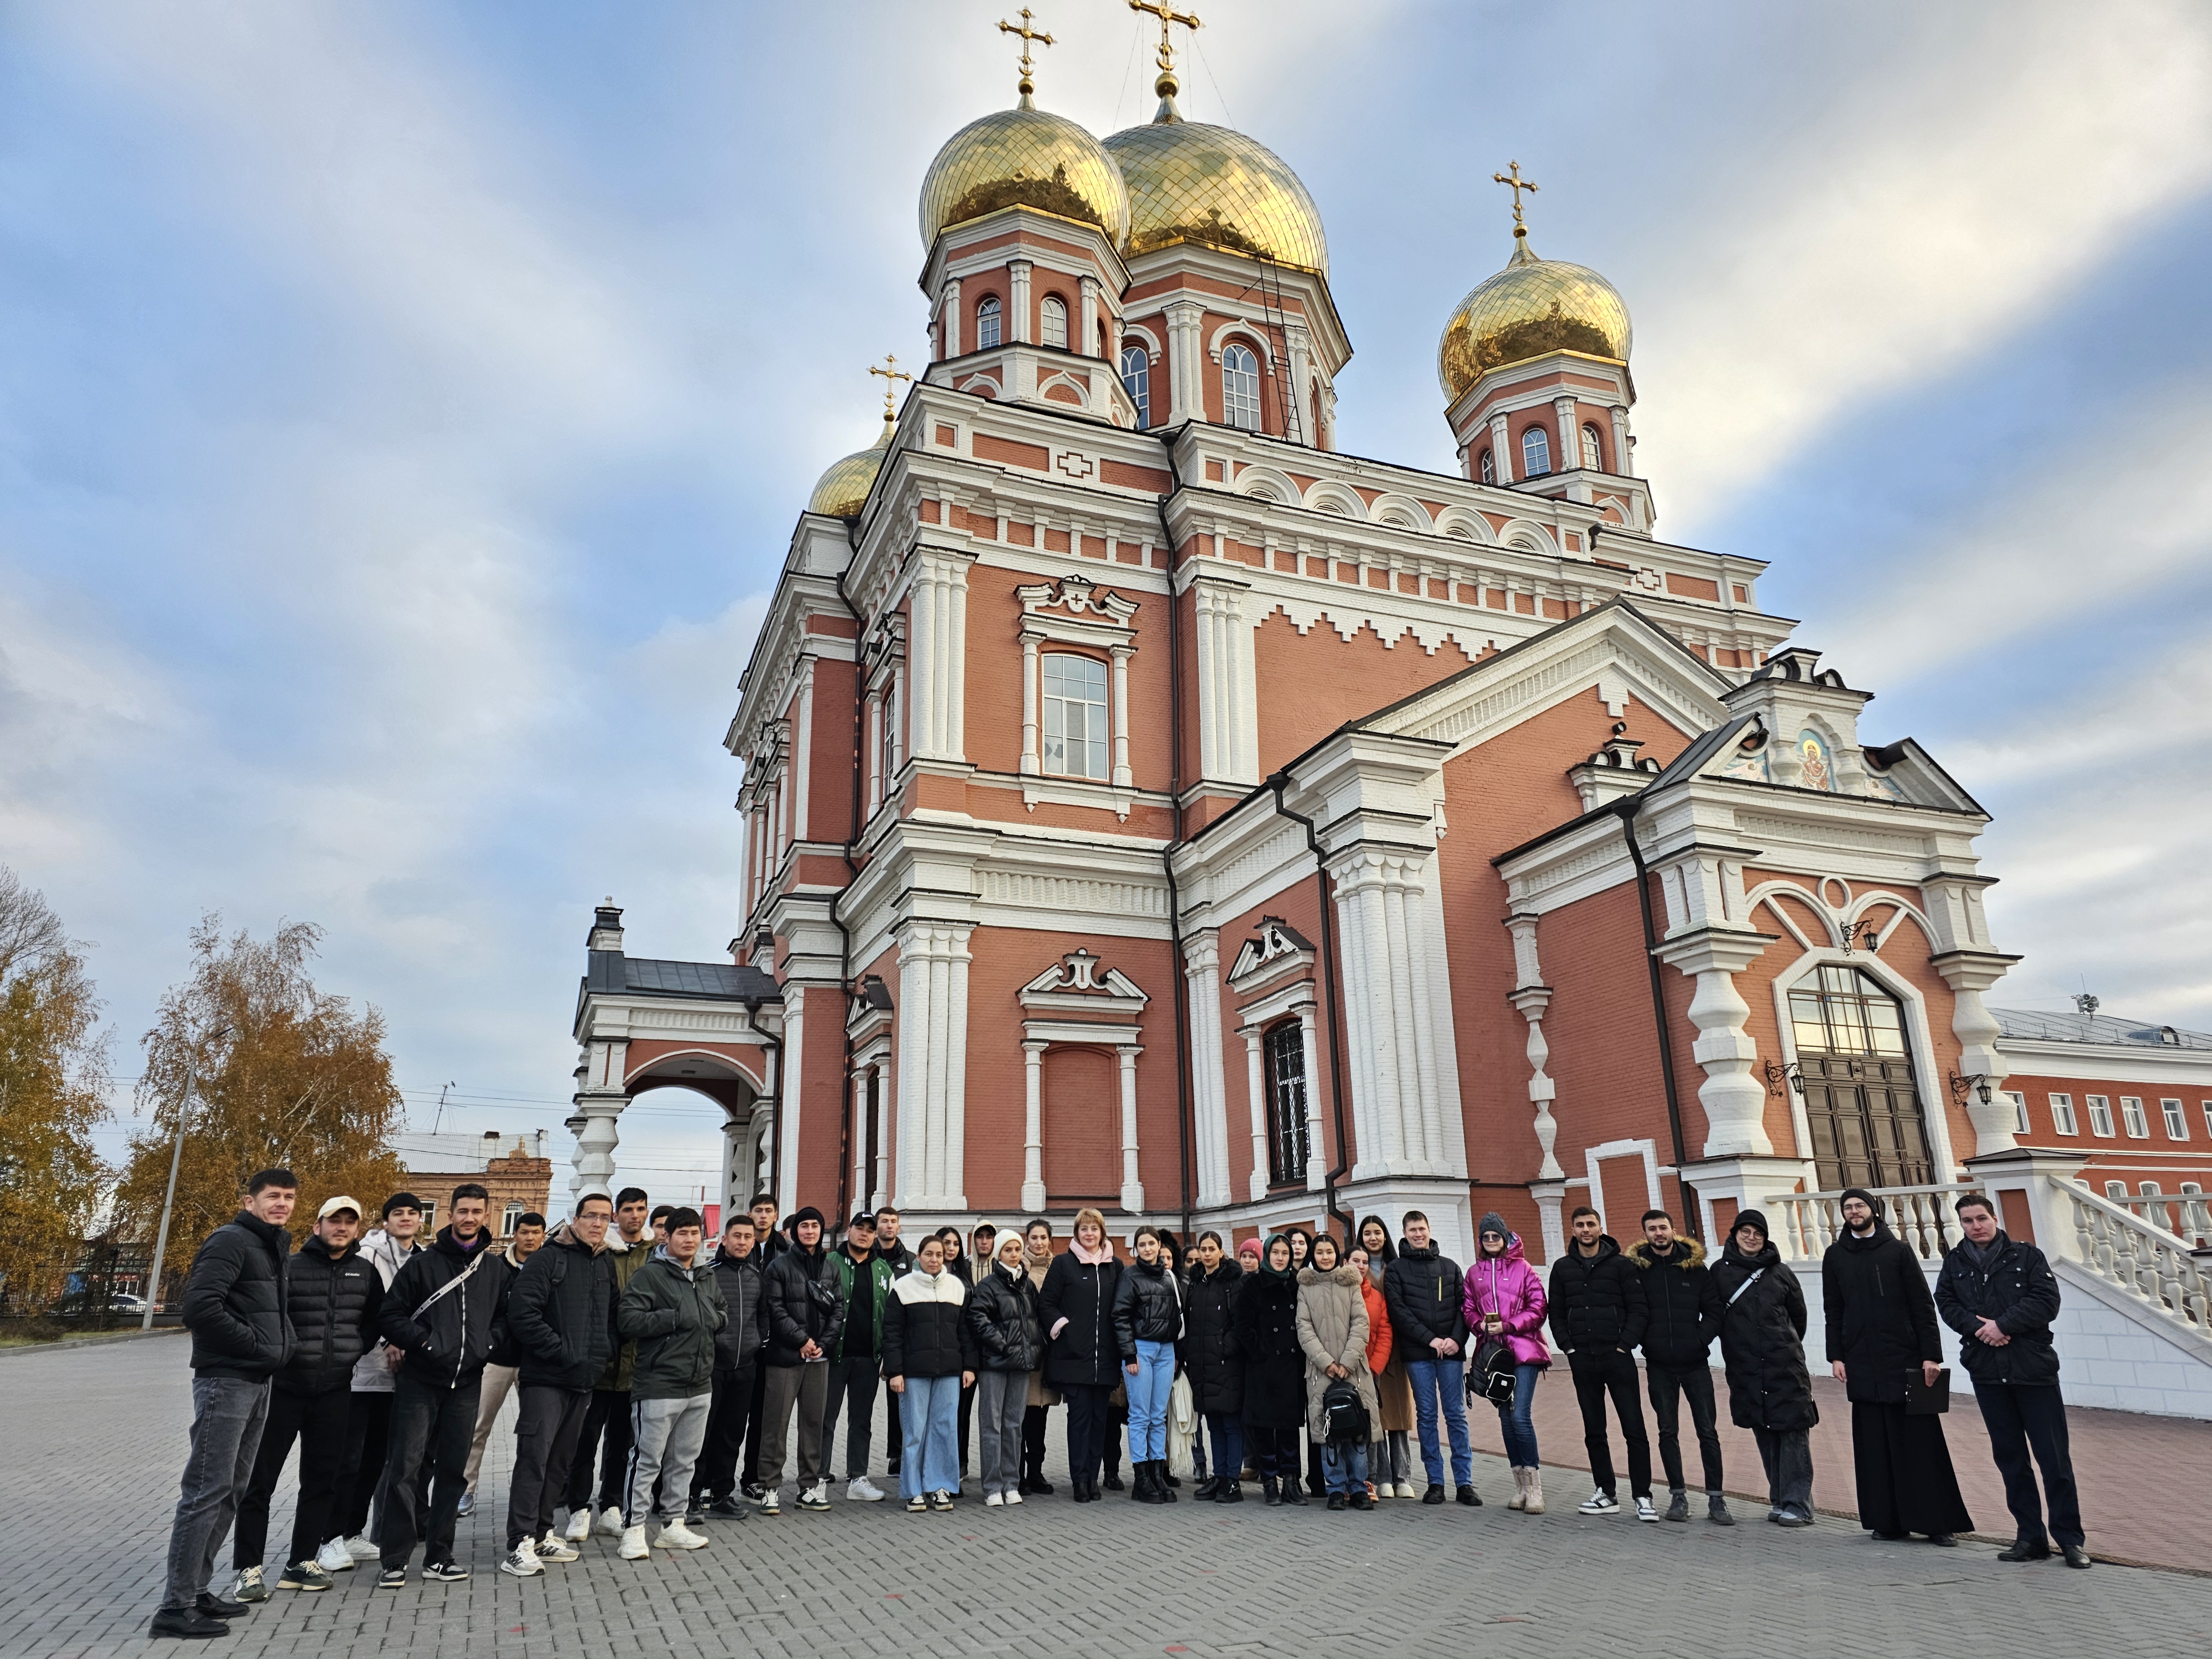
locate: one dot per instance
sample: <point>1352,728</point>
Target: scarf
<point>1090,1259</point>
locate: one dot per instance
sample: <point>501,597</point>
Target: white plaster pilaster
<point>1133,1188</point>
<point>1201,965</point>
<point>1316,1142</point>
<point>1501,450</point>
<point>1256,1084</point>
<point>1019,331</point>
<point>1033,1126</point>
<point>949,315</point>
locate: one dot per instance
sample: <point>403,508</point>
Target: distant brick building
<point>521,1180</point>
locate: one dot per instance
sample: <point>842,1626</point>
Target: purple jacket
<point>1508,1286</point>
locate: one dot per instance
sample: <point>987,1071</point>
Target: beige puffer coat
<point>1333,1330</point>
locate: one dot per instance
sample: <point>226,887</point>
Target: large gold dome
<point>1025,157</point>
<point>1532,307</point>
<point>1189,182</point>
<point>843,490</point>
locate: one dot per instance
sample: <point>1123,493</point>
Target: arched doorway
<point>738,1165</point>
<point>1861,1105</point>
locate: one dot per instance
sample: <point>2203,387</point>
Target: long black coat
<point>1763,1342</point>
<point>2018,1291</point>
<point>1881,1317</point>
<point>1274,1363</point>
<point>1083,1354</point>
<point>334,1301</point>
<point>1211,1358</point>
<point>561,1314</point>
<point>233,1302</point>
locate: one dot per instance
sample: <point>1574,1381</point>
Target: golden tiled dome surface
<point>1532,307</point>
<point>843,490</point>
<point>1026,158</point>
<point>1189,182</point>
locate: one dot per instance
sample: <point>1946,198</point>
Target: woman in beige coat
<point>1333,1332</point>
<point>1037,1258</point>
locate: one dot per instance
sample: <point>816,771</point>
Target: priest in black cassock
<point>1881,1328</point>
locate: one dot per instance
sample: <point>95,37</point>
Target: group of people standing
<point>1306,1362</point>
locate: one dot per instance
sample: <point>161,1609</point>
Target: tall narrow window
<point>510,1220</point>
<point>2062,1115</point>
<point>1535,454</point>
<point>2131,1114</point>
<point>2177,1121</point>
<point>1283,1054</point>
<point>1137,381</point>
<point>2100,1115</point>
<point>987,323</point>
<point>1593,456</point>
<point>1075,716</point>
<point>2020,1125</point>
<point>1240,388</point>
<point>1488,468</point>
<point>1860,1101</point>
<point>1052,322</point>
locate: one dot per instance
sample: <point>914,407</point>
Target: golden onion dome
<point>1532,307</point>
<point>843,490</point>
<point>1189,182</point>
<point>1025,157</point>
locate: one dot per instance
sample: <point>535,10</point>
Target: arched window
<point>987,323</point>
<point>1283,1056</point>
<point>1487,468</point>
<point>1240,388</point>
<point>1860,1103</point>
<point>1075,716</point>
<point>1535,454</point>
<point>1593,457</point>
<point>1137,381</point>
<point>1052,322</point>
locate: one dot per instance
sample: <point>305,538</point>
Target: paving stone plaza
<point>95,1438</point>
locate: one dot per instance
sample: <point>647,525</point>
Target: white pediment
<point>1276,948</point>
<point>1080,983</point>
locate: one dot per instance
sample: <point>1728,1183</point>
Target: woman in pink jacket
<point>1503,1301</point>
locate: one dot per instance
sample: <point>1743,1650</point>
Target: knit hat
<point>1864,1196</point>
<point>1492,1222</point>
<point>400,1201</point>
<point>1752,1219</point>
<point>1250,1246</point>
<point>809,1214</point>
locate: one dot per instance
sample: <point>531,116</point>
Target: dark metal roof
<point>718,982</point>
<point>2037,1025</point>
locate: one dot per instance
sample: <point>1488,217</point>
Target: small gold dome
<point>1189,182</point>
<point>843,490</point>
<point>1026,157</point>
<point>1532,307</point>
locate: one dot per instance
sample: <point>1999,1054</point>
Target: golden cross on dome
<point>1516,183</point>
<point>892,375</point>
<point>1165,86</point>
<point>1028,35</point>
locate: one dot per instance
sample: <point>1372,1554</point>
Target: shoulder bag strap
<point>1746,1286</point>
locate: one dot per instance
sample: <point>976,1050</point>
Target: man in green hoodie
<point>672,1312</point>
<point>856,1358</point>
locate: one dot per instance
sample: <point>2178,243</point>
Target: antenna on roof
<point>440,1116</point>
<point>2087,1004</point>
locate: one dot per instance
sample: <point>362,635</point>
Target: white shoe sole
<point>533,1571</point>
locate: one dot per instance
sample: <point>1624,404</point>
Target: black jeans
<point>1597,1375</point>
<point>361,1467</point>
<point>606,1434</point>
<point>430,1424</point>
<point>1090,1420</point>
<point>1668,1386</point>
<point>2034,1416</point>
<point>853,1386</point>
<point>1273,1452</point>
<point>546,1434</point>
<point>1033,1422</point>
<point>716,1473</point>
<point>755,1415</point>
<point>319,1421</point>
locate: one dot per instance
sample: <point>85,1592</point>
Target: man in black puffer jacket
<point>1423,1291</point>
<point>805,1313</point>
<point>234,1306</point>
<point>1682,1307</point>
<point>1598,1316</point>
<point>737,1370</point>
<point>333,1294</point>
<point>446,1312</point>
<point>560,1320</point>
<point>2001,1296</point>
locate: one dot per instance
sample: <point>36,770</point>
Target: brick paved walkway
<point>96,1439</point>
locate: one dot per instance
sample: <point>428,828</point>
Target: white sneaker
<point>520,1562</point>
<point>611,1522</point>
<point>335,1557</point>
<point>1406,1489</point>
<point>1600,1502</point>
<point>992,1501</point>
<point>770,1503</point>
<point>361,1549</point>
<point>678,1536</point>
<point>580,1526</point>
<point>1645,1511</point>
<point>632,1548</point>
<point>1014,1497</point>
<point>863,1491</point>
<point>554,1548</point>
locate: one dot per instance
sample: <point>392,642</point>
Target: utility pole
<point>153,1286</point>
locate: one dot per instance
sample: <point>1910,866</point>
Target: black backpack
<point>1343,1413</point>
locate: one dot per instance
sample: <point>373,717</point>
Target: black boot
<point>1141,1484</point>
<point>1207,1488</point>
<point>1229,1491</point>
<point>1270,1491</point>
<point>1166,1479</point>
<point>1294,1491</point>
<point>1114,1476</point>
<point>1163,1483</point>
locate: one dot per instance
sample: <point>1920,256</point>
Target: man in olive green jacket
<point>672,1312</point>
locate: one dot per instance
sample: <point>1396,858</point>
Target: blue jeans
<point>929,1418</point>
<point>1516,1422</point>
<point>229,1413</point>
<point>1226,1431</point>
<point>1344,1465</point>
<point>1148,1401</point>
<point>1433,1378</point>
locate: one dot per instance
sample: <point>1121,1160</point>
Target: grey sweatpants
<point>228,1414</point>
<point>665,1437</point>
<point>1002,1400</point>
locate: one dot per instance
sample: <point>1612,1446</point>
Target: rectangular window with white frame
<point>2117,1191</point>
<point>2062,1115</point>
<point>1075,716</point>
<point>2177,1119</point>
<point>2020,1125</point>
<point>2131,1114</point>
<point>2100,1115</point>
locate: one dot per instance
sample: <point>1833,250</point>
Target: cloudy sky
<point>404,409</point>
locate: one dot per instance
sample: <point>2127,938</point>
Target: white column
<point>1032,751</point>
<point>1018,323</point>
<point>1501,449</point>
<point>1255,1083</point>
<point>937,644</point>
<point>1734,1101</point>
<point>859,1136</point>
<point>879,1189</point>
<point>1316,1142</point>
<point>912,1019</point>
<point>1132,1190</point>
<point>1123,777</point>
<point>1087,343</point>
<point>1186,387</point>
<point>1299,345</point>
<point>802,769</point>
<point>951,315</point>
<point>1620,442</point>
<point>1570,437</point>
<point>1228,728</point>
<point>1530,996</point>
<point>591,1165</point>
<point>789,1082</point>
<point>875,741</point>
<point>1033,1128</point>
<point>1201,961</point>
<point>1368,991</point>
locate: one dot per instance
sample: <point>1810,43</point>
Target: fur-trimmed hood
<point>1693,1257</point>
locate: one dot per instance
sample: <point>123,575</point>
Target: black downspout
<point>1176,979</point>
<point>1626,811</point>
<point>1343,1164</point>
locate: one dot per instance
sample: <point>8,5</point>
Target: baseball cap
<point>862,1218</point>
<point>333,1205</point>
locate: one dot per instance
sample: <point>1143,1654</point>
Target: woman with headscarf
<point>1332,1324</point>
<point>1503,1298</point>
<point>1390,1460</point>
<point>1076,1303</point>
<point>1763,1345</point>
<point>1211,1362</point>
<point>1882,1329</point>
<point>1302,1258</point>
<point>1002,1321</point>
<point>1274,1372</point>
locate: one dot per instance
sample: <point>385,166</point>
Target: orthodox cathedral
<point>1149,805</point>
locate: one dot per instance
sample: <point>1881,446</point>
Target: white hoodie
<point>370,1373</point>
